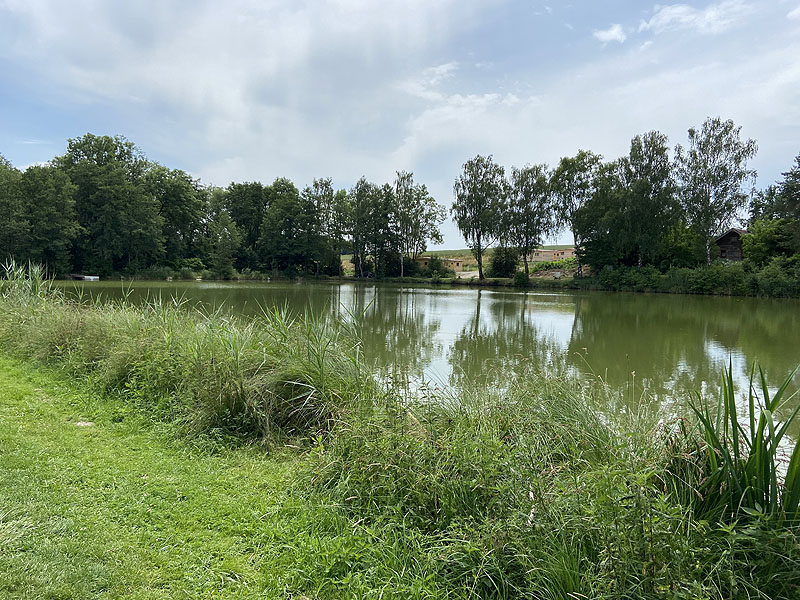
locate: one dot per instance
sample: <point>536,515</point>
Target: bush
<point>521,279</point>
<point>503,262</point>
<point>437,269</point>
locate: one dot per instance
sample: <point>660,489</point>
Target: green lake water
<point>668,345</point>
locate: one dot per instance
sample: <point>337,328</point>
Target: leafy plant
<point>742,472</point>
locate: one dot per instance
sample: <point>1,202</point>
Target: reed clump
<point>276,375</point>
<point>541,491</point>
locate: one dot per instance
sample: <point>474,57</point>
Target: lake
<point>668,345</point>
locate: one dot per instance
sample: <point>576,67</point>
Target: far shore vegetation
<point>644,221</point>
<point>159,451</point>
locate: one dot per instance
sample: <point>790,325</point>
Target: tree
<point>51,217</point>
<point>246,204</point>
<point>418,217</point>
<point>573,183</point>
<point>651,207</point>
<point>381,240</point>
<point>221,235</point>
<point>342,224</point>
<point>779,205</point>
<point>711,173</point>
<point>289,233</point>
<point>361,202</point>
<point>13,225</point>
<point>179,205</point>
<point>529,217</point>
<point>121,228</point>
<point>602,222</point>
<point>320,199</point>
<point>480,194</point>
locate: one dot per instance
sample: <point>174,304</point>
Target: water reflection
<point>665,344</point>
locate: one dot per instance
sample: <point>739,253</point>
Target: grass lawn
<point>119,508</point>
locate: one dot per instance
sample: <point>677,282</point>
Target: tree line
<point>104,208</point>
<point>641,209</point>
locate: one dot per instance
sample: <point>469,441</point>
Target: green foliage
<point>290,232</point>
<point>521,279</point>
<point>766,239</point>
<point>573,182</point>
<point>121,227</point>
<point>480,198</point>
<point>180,206</point>
<point>418,217</point>
<point>13,225</point>
<point>282,375</point>
<point>504,262</point>
<point>735,472</point>
<point>633,208</point>
<point>563,264</point>
<point>529,216</point>
<point>50,212</point>
<point>711,173</point>
<point>246,204</point>
<point>437,268</point>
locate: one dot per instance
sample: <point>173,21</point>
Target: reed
<point>279,375</point>
<point>743,465</point>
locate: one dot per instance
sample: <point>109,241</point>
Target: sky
<point>254,90</point>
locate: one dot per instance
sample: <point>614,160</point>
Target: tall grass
<point>742,465</point>
<point>280,374</point>
<point>539,491</point>
<point>542,492</point>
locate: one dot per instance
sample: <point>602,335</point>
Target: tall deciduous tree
<point>247,204</point>
<point>573,183</point>
<point>180,207</point>
<point>13,225</point>
<point>220,234</point>
<point>480,194</point>
<point>121,228</point>
<point>289,234</point>
<point>360,202</point>
<point>418,217</point>
<point>530,212</point>
<point>651,207</point>
<point>50,213</point>
<point>320,198</point>
<point>712,172</point>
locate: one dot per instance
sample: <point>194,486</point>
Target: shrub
<point>437,269</point>
<point>521,279</point>
<point>503,262</point>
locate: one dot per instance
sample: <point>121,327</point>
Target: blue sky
<point>253,90</point>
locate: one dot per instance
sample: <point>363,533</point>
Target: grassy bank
<point>248,459</point>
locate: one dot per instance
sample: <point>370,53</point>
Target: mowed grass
<point>122,509</point>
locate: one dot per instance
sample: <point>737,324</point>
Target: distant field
<point>464,254</point>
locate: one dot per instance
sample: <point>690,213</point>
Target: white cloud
<point>713,19</point>
<point>794,14</point>
<point>615,33</point>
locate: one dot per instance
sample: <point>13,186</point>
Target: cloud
<point>713,19</point>
<point>794,14</point>
<point>614,33</point>
<point>344,88</point>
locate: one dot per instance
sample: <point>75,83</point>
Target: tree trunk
<point>708,252</point>
<point>480,265</point>
<point>401,264</point>
<point>525,262</point>
<point>577,256</point>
